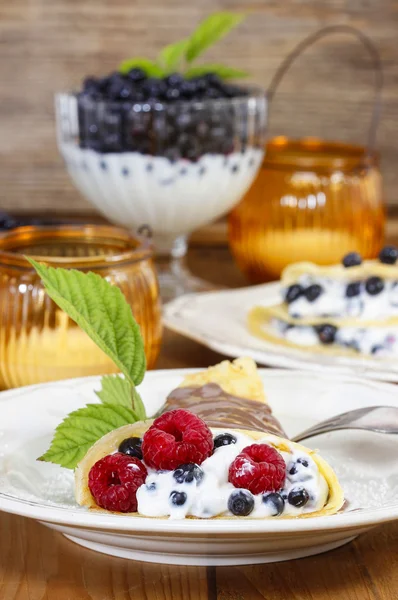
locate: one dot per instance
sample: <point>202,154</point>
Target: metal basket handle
<point>376,62</point>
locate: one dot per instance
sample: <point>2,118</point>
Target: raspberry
<point>258,468</point>
<point>114,481</point>
<point>176,438</point>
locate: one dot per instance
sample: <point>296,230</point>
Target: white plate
<point>365,462</point>
<point>218,320</point>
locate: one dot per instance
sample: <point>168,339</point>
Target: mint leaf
<point>101,310</point>
<point>81,429</point>
<point>138,406</point>
<point>115,390</point>
<point>222,71</point>
<point>171,56</point>
<point>211,30</point>
<point>149,66</point>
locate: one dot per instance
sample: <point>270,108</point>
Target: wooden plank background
<point>49,45</point>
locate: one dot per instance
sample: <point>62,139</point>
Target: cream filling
<point>333,301</point>
<point>209,498</point>
<point>376,341</point>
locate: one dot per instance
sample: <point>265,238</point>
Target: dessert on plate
<point>347,309</point>
<point>214,451</point>
<point>177,466</point>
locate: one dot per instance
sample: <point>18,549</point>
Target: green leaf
<point>101,310</point>
<point>211,30</point>
<point>115,390</point>
<point>138,406</point>
<point>170,56</point>
<point>221,70</point>
<point>82,428</point>
<point>151,68</point>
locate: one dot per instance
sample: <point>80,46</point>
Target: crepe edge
<point>260,316</point>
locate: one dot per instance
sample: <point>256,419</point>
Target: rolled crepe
<point>260,318</point>
<point>230,395</point>
<point>110,443</point>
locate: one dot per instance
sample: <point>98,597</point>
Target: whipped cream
<point>209,497</point>
<point>334,302</point>
<point>375,341</point>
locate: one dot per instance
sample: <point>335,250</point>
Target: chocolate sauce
<point>220,409</point>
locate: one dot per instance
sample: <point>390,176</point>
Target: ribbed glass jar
<point>38,341</point>
<point>311,201</point>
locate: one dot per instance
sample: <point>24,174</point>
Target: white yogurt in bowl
<point>173,198</point>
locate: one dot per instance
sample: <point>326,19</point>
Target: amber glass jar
<point>312,200</point>
<point>38,341</point>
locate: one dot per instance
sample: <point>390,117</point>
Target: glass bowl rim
<point>255,93</point>
<point>140,249</point>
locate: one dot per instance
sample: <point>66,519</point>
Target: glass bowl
<point>38,341</point>
<point>312,200</point>
<point>169,167</point>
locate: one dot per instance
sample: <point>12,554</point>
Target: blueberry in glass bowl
<point>167,151</point>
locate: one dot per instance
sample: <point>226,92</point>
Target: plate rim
<point>121,524</point>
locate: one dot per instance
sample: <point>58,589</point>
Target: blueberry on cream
<point>224,439</point>
<point>276,502</point>
<point>241,503</point>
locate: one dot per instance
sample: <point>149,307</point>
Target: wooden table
<point>39,564</point>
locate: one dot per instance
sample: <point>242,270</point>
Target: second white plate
<point>218,320</point>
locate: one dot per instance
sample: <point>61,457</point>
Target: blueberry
<point>276,501</point>
<point>187,473</point>
<point>241,503</point>
<point>388,255</point>
<point>353,259</point>
<point>293,292</point>
<point>91,84</point>
<point>212,94</point>
<point>172,94</point>
<point>200,84</point>
<point>313,292</point>
<point>224,439</point>
<point>326,333</point>
<point>376,348</point>
<point>174,80</point>
<point>374,285</point>
<point>298,497</point>
<point>353,289</point>
<point>178,498</point>
<point>212,79</point>
<point>132,447</point>
<point>136,74</point>
<point>188,89</point>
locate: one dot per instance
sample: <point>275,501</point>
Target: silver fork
<point>382,419</point>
